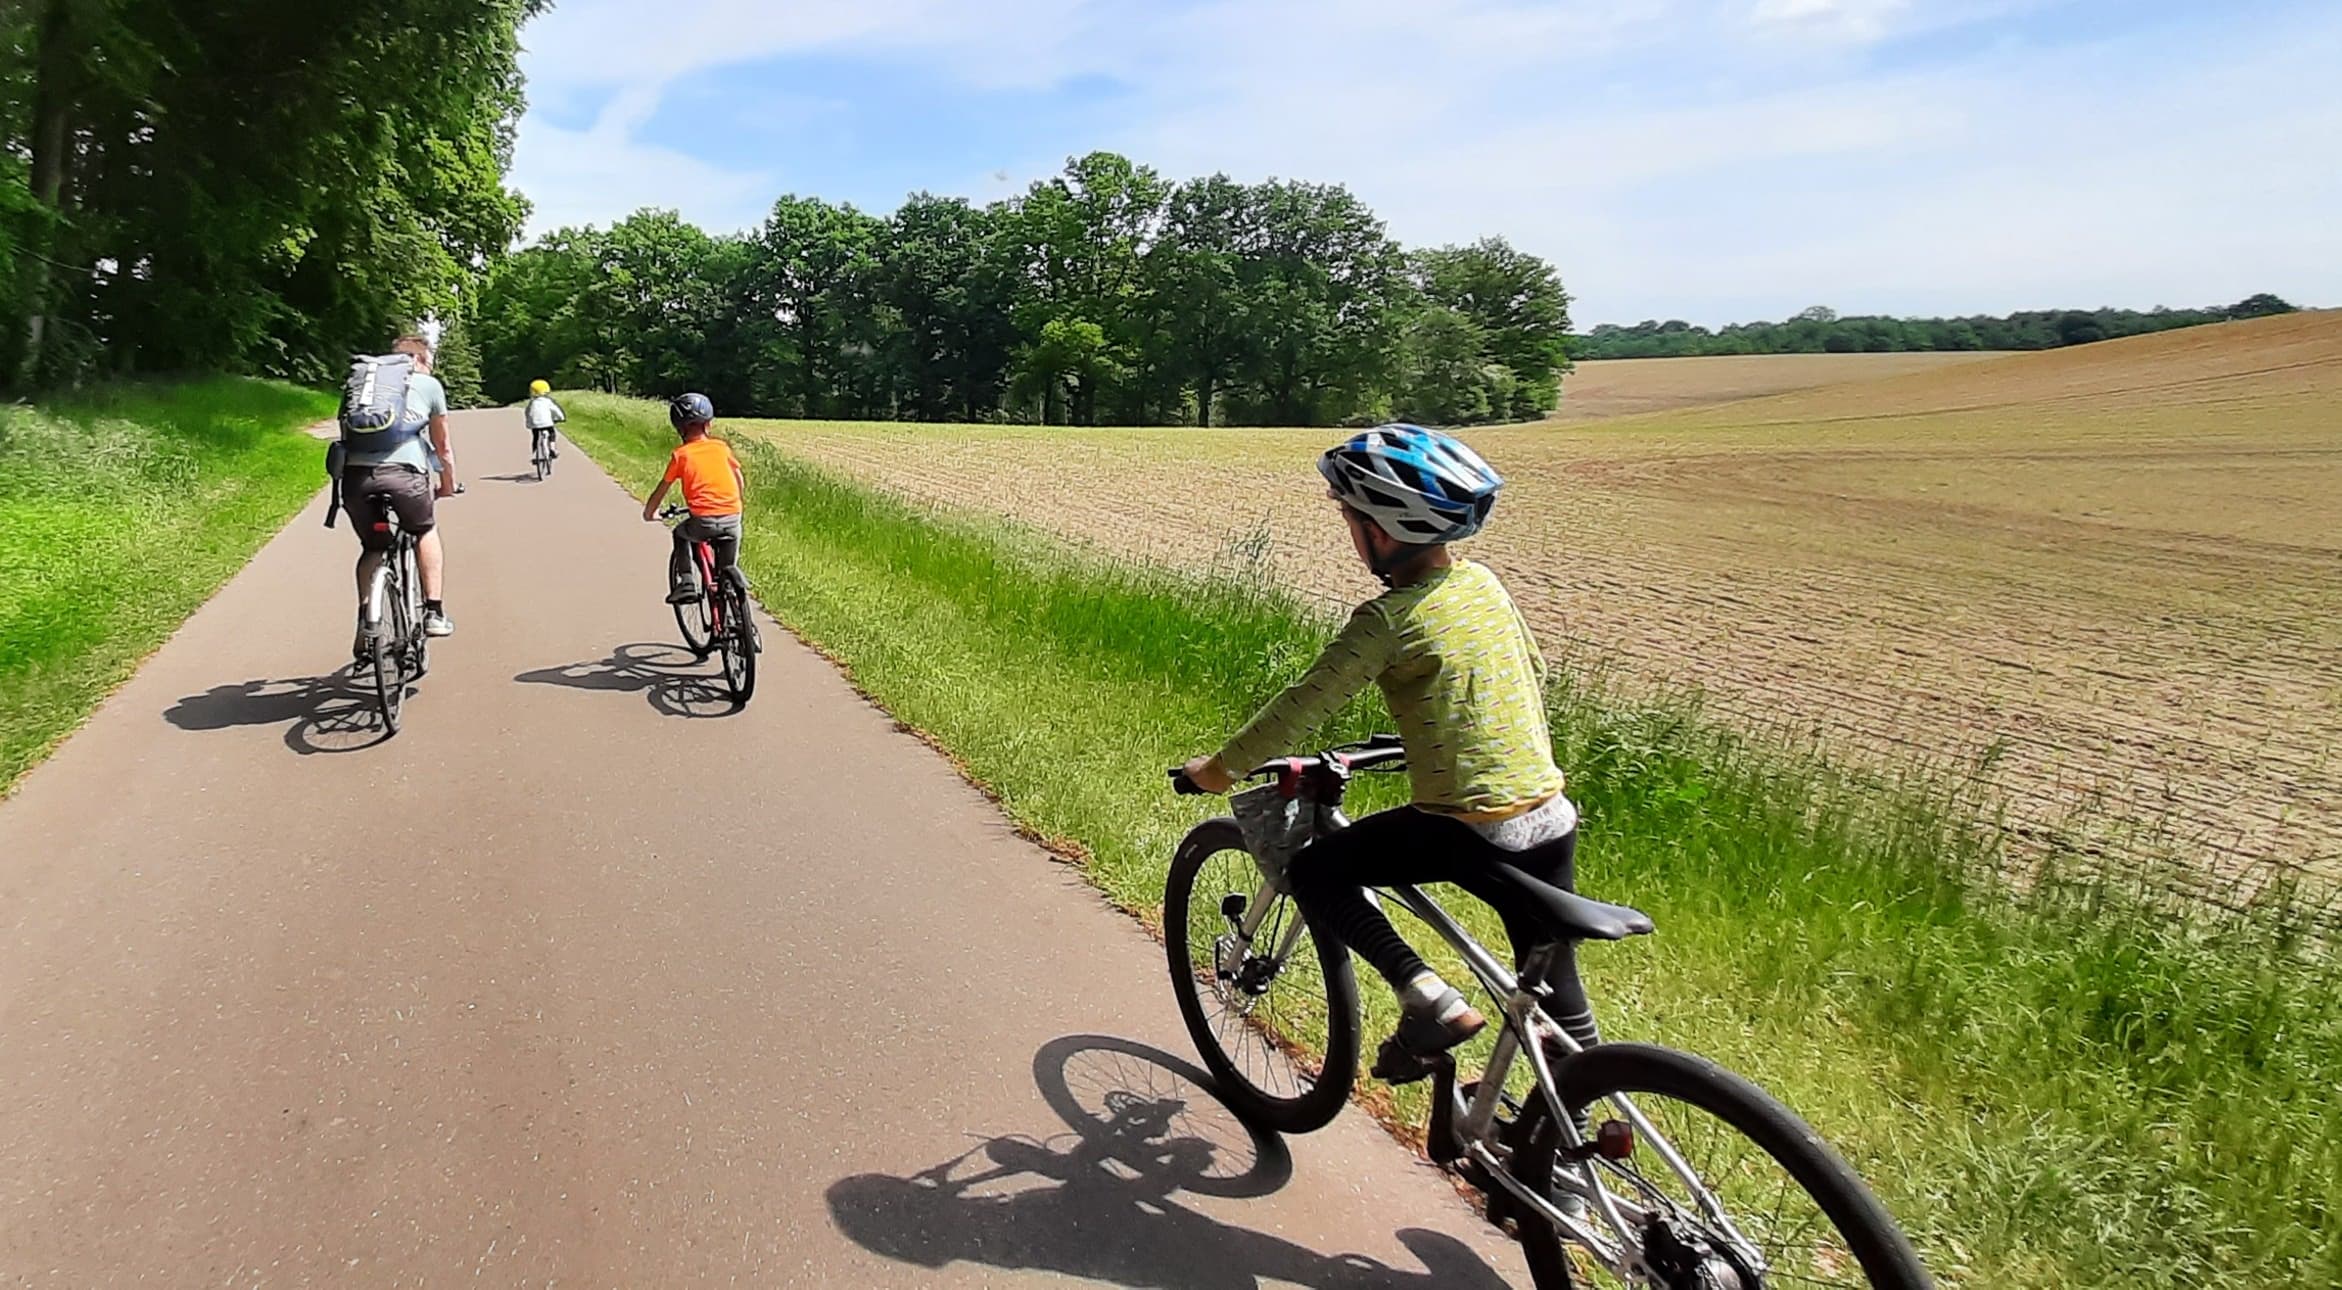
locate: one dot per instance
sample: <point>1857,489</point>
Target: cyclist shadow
<point>652,670</point>
<point>334,713</point>
<point>519,477</point>
<point>1102,1202</point>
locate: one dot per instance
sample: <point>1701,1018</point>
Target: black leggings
<point>1406,846</point>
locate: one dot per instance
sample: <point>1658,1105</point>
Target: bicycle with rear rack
<point>721,619</point>
<point>1647,1166</point>
<point>398,650</point>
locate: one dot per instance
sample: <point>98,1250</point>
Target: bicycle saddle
<point>1569,916</point>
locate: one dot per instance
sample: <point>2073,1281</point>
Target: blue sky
<point>1713,160</point>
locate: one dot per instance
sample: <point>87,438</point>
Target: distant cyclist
<point>713,485</point>
<point>1463,679</point>
<point>541,414</point>
<point>401,467</point>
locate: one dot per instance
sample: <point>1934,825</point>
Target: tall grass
<point>2064,1086</point>
<point>120,512</point>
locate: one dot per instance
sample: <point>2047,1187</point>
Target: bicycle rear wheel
<point>1247,1011</point>
<point>739,647</point>
<point>1786,1209</point>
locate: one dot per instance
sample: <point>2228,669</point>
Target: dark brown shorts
<point>407,490</point>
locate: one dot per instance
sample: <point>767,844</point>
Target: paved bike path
<point>583,980</point>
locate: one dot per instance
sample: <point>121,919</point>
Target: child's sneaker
<point>1426,1032</point>
<point>683,596</point>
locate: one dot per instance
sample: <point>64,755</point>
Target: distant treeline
<point>1821,331</point>
<point>1106,295</point>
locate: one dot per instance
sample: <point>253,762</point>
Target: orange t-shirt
<point>705,468</point>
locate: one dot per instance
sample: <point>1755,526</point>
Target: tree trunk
<point>52,105</point>
<point>1203,402</point>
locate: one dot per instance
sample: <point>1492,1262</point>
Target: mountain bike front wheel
<point>1252,1008</point>
<point>1723,1186</point>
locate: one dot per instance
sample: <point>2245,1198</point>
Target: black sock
<point>434,607</point>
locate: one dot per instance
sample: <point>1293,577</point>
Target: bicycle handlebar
<point>1381,752</point>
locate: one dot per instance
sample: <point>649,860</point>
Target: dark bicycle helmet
<point>690,410</point>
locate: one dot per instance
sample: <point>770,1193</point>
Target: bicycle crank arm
<point>1444,1147</point>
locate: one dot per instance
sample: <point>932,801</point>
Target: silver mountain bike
<point>1642,1165</point>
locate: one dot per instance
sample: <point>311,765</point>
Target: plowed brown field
<point>2108,580</point>
<point>1620,387</point>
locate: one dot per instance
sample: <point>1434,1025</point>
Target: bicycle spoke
<point>1251,1027</point>
<point>1794,1243</point>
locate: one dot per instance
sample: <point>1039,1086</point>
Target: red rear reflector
<point>1615,1140</point>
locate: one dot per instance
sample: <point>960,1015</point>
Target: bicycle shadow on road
<point>654,670</point>
<point>1102,1202</point>
<point>521,477</point>
<point>334,713</point>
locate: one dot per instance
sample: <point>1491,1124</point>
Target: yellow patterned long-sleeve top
<point>1463,677</point>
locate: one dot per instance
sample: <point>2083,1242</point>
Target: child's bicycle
<point>721,620</point>
<point>541,452</point>
<point>1661,1168</point>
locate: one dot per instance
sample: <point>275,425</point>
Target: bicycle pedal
<point>1395,1063</point>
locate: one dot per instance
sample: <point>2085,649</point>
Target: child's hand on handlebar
<point>1208,774</point>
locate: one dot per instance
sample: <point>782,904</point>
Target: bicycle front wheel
<point>1752,1197</point>
<point>1249,1008</point>
<point>697,621</point>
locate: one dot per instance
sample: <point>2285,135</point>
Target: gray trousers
<point>720,532</point>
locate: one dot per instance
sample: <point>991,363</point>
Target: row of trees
<point>248,184</point>
<point>1104,295</point>
<point>1820,330</point>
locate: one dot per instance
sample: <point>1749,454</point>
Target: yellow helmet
<point>539,387</point>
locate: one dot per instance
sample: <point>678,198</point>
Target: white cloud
<point>1709,159</point>
<point>1847,19</point>
<point>602,173</point>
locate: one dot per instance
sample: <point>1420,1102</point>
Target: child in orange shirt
<point>712,487</point>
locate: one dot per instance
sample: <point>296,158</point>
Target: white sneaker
<point>438,625</point>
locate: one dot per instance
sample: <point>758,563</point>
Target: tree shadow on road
<point>1102,1202</point>
<point>333,713</point>
<point>655,671</point>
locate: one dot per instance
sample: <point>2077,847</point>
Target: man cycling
<point>541,414</point>
<point>400,468</point>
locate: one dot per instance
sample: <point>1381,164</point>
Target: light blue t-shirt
<point>426,398</point>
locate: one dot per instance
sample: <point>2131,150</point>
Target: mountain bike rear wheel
<point>1247,1011</point>
<point>739,646</point>
<point>1788,1210</point>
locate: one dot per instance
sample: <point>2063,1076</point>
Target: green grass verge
<point>120,512</point>
<point>2064,1087</point>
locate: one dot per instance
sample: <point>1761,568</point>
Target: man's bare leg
<point>430,562</point>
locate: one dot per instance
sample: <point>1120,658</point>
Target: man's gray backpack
<point>373,414</point>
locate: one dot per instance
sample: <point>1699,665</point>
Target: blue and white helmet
<point>1421,486</point>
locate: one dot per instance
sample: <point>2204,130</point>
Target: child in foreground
<point>713,485</point>
<point>1464,679</point>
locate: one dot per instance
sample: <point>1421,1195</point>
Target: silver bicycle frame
<point>1619,1248</point>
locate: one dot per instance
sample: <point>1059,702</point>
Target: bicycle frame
<point>397,570</point>
<point>1475,1132</point>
